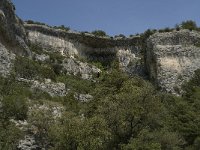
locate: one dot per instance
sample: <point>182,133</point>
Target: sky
<point>112,16</point>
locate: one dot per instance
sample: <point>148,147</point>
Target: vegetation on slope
<point>126,113</point>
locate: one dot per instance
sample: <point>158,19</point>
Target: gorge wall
<point>172,58</point>
<point>88,46</point>
<point>12,32</point>
<point>169,58</point>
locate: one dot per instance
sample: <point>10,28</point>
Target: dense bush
<point>15,107</point>
<point>76,84</point>
<point>29,69</point>
<point>126,113</point>
<point>120,36</point>
<point>167,29</point>
<point>82,133</point>
<point>36,48</point>
<point>191,25</point>
<point>99,33</point>
<point>9,135</point>
<point>34,22</point>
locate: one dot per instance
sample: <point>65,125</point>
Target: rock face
<point>172,58</point>
<point>130,62</point>
<point>6,59</point>
<point>78,68</point>
<point>42,58</point>
<point>13,38</point>
<point>52,88</point>
<point>53,44</point>
<point>28,143</point>
<point>83,97</point>
<point>12,31</point>
<point>87,46</point>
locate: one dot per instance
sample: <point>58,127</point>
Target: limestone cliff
<point>172,58</point>
<point>88,46</point>
<point>12,32</point>
<point>13,39</point>
<point>50,76</point>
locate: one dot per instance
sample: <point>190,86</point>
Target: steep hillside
<point>61,89</point>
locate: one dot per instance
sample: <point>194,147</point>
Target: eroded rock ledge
<point>85,38</point>
<point>88,46</point>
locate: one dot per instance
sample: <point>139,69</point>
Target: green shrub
<point>9,86</point>
<point>167,29</point>
<point>56,57</point>
<point>197,44</point>
<point>76,84</point>
<point>36,48</point>
<point>34,22</point>
<point>191,25</point>
<point>99,33</point>
<point>9,135</point>
<point>120,36</point>
<point>30,69</point>
<point>30,21</point>
<point>15,106</point>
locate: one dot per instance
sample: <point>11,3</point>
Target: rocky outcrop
<point>87,39</point>
<point>52,88</point>
<point>78,68</point>
<point>6,61</point>
<point>28,143</point>
<point>12,32</point>
<point>130,62</point>
<point>83,97</point>
<point>172,58</point>
<point>31,141</point>
<point>41,58</point>
<point>87,46</point>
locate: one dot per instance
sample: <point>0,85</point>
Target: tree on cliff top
<point>99,33</point>
<point>191,25</point>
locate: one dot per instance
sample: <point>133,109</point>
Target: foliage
<point>197,44</point>
<point>62,27</point>
<point>36,48</point>
<point>99,33</point>
<point>56,57</point>
<point>15,106</point>
<point>76,84</point>
<point>29,69</point>
<point>80,133</point>
<point>41,119</point>
<point>9,135</point>
<point>189,24</point>
<point>120,36</point>
<point>34,22</point>
<point>126,112</point>
<point>167,29</point>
